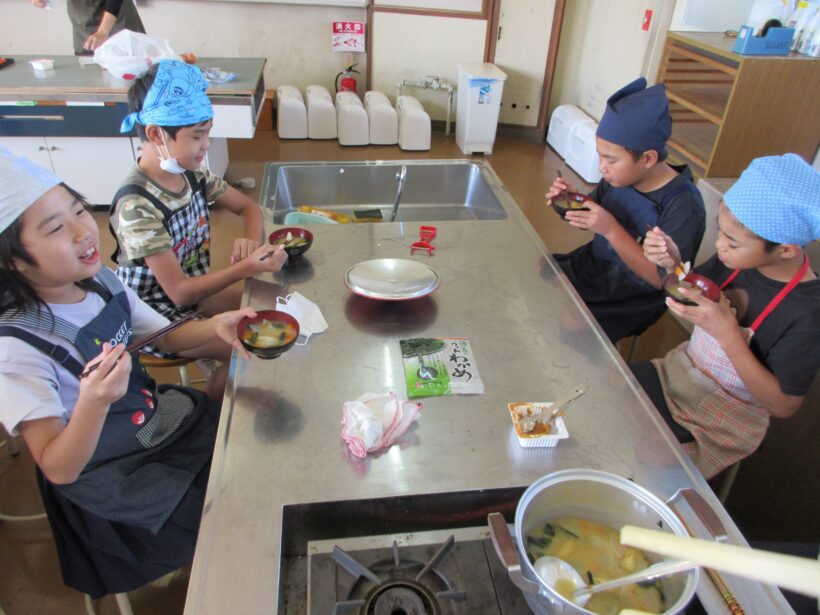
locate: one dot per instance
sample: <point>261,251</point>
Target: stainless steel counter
<point>279,443</point>
<point>72,81</point>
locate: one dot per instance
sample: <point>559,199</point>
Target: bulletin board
<point>351,3</point>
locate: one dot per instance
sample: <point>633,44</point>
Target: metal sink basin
<point>435,190</point>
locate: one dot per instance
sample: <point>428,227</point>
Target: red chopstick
<point>138,345</point>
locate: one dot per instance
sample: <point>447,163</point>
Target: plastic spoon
<point>559,405</point>
<point>565,579</point>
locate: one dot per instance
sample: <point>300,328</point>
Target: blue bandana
<point>21,183</point>
<point>176,98</point>
<point>778,198</point>
<point>637,117</point>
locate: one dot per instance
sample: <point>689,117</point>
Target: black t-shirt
<point>788,340</point>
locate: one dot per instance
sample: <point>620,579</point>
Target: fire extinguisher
<point>348,80</point>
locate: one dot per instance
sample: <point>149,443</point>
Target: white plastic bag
<point>129,55</point>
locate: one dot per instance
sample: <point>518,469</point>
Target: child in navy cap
<point>755,352</point>
<point>638,191</point>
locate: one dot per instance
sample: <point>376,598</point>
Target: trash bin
<point>478,103</point>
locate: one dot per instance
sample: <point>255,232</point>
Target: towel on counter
<point>374,421</point>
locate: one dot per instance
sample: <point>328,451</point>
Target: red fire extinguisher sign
<point>348,36</point>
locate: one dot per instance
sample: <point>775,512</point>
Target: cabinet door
<point>33,148</point>
<point>94,166</point>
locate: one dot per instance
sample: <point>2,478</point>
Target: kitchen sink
<point>435,190</point>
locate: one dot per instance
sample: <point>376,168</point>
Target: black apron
<point>133,513</point>
<point>86,15</point>
<point>623,303</point>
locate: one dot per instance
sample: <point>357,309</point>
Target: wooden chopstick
<point>720,584</point>
<point>140,344</point>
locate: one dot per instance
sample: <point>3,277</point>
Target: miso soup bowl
<point>271,316</point>
<point>296,232</point>
<point>569,201</point>
<point>603,498</point>
<point>708,289</point>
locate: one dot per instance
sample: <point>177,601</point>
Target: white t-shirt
<point>33,385</point>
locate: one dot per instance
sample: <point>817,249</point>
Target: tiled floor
<point>29,574</point>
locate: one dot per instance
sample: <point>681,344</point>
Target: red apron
<point>707,397</point>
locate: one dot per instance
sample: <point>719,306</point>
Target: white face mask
<point>305,312</point>
<point>169,164</point>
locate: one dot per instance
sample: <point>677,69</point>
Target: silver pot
<point>602,497</point>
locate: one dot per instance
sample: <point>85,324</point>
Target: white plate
<point>392,279</point>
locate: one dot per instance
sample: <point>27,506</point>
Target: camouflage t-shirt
<point>139,226</point>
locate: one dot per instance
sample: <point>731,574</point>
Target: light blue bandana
<point>21,183</point>
<point>778,198</point>
<point>176,98</point>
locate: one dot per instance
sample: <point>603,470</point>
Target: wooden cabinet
<point>728,109</point>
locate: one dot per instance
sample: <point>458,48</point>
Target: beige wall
<point>296,40</point>
<point>602,48</point>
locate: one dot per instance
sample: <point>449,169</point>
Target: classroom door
<point>521,50</point>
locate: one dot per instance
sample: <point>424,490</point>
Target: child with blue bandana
<point>638,190</point>
<point>755,352</point>
<point>160,215</point>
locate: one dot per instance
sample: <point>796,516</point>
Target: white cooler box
<point>321,113</point>
<point>291,114</point>
<point>563,120</point>
<point>351,119</point>
<point>581,153</point>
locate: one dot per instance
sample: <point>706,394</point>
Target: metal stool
<point>181,363</point>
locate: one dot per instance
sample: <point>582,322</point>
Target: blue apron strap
<point>56,352</point>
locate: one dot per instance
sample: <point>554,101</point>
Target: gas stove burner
<point>397,586</point>
<point>401,598</point>
<point>435,572</point>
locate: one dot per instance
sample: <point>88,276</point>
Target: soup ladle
<point>553,571</point>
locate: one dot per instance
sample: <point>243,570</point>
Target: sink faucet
<point>401,176</point>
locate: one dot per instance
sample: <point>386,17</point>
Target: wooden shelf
<point>728,109</point>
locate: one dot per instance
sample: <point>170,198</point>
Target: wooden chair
<point>14,450</point>
<point>181,363</point>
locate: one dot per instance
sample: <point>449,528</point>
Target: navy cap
<point>637,117</point>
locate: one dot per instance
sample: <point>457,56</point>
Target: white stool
<point>414,124</point>
<point>581,153</point>
<point>321,113</point>
<point>382,118</point>
<point>351,119</point>
<point>291,114</point>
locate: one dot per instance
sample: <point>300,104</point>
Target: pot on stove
<point>602,497</point>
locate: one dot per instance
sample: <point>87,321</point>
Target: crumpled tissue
<point>374,421</point>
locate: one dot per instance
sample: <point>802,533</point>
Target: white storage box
<point>321,113</point>
<point>351,119</point>
<point>563,120</point>
<point>291,114</point>
<point>478,103</point>
<point>382,119</point>
<point>581,153</point>
<point>414,124</point>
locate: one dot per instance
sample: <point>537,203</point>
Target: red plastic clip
<point>427,234</point>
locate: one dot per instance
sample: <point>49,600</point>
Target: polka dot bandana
<point>21,183</point>
<point>778,198</point>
